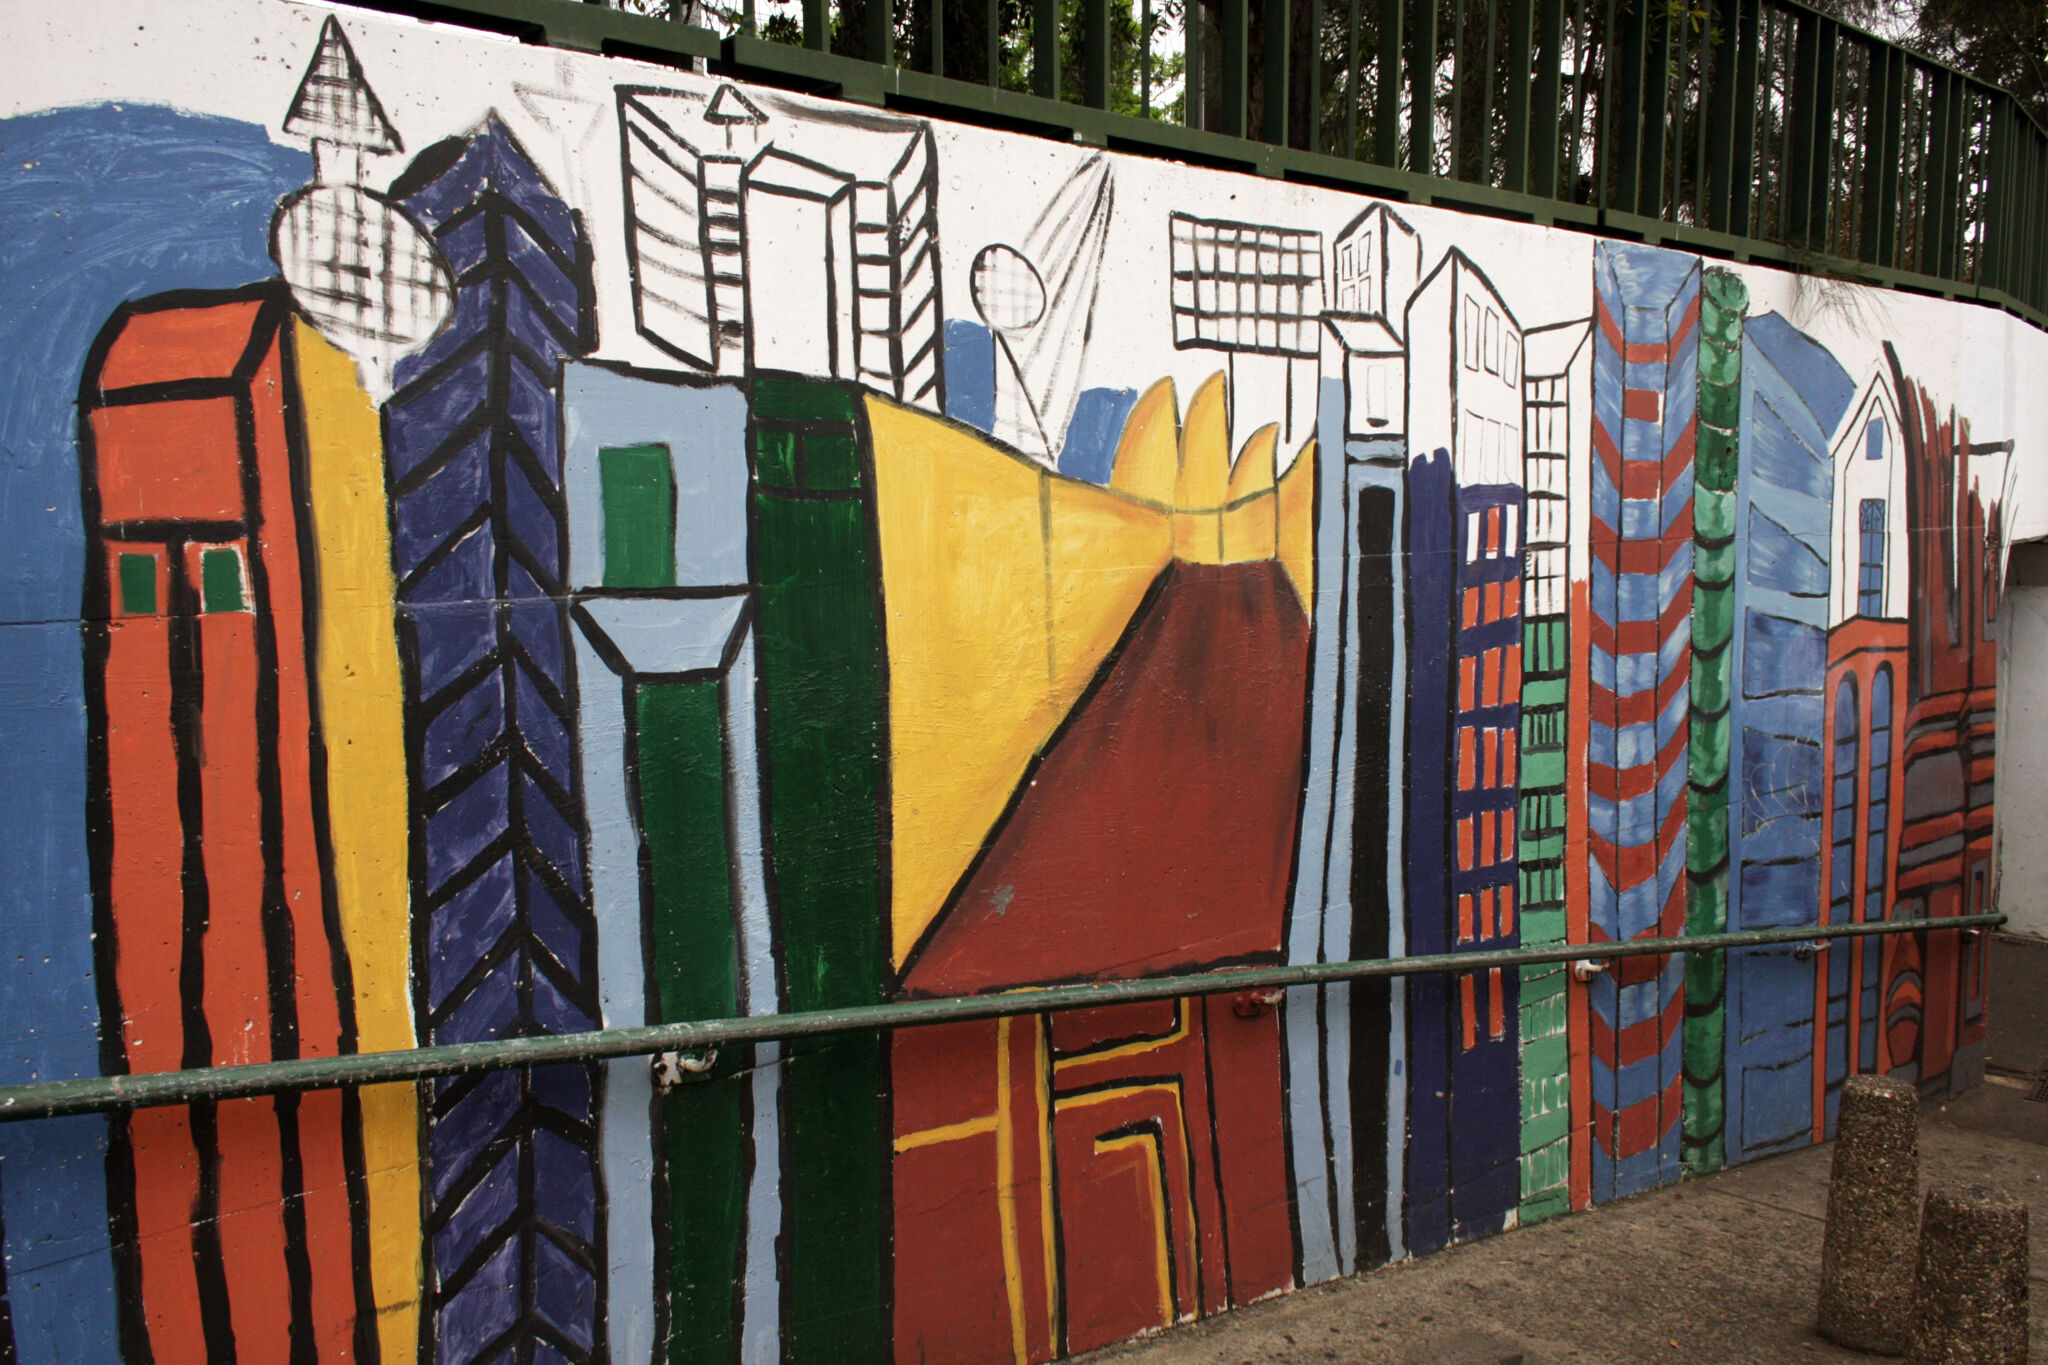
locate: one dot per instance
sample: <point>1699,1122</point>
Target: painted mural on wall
<point>504,544</point>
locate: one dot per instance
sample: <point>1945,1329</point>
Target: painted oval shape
<point>1007,291</point>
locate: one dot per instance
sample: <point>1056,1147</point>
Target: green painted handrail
<point>48,1099</point>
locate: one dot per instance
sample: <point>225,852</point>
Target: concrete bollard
<point>1866,1272</point>
<point>1970,1296</point>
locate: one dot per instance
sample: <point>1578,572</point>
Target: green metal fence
<point>1750,129</point>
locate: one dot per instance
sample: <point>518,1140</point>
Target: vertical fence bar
<point>1045,49</point>
<point>1742,122</point>
<point>1521,57</point>
<point>1802,113</point>
<point>1541,141</point>
<point>1821,172</point>
<point>1940,178</point>
<point>1846,146</point>
<point>1145,59</point>
<point>1313,65</point>
<point>1678,67</point>
<point>1625,66</point>
<point>1232,85</point>
<point>1422,89</point>
<point>747,19</point>
<point>938,36</point>
<point>2028,283</point>
<point>817,26</point>
<point>2037,210</point>
<point>1387,88</point>
<point>1601,127</point>
<point>1699,61</point>
<point>1652,160</point>
<point>1950,261</point>
<point>1351,83</point>
<point>2026,210</point>
<point>992,18</point>
<point>1889,165</point>
<point>1575,130</point>
<point>880,22</point>
<point>1459,92</point>
<point>1095,53</point>
<point>1991,256</point>
<point>1194,23</point>
<point>1876,91</point>
<point>1274,69</point>
<point>1488,69</point>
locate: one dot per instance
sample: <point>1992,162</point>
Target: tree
<point>2003,42</point>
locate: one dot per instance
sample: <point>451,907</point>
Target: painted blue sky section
<point>1099,416</point>
<point>970,374</point>
<point>97,205</point>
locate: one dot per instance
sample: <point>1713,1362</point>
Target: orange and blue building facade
<point>1645,411</point>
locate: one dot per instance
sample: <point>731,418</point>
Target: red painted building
<point>1955,559</point>
<point>1136,1153</point>
<point>1912,676</point>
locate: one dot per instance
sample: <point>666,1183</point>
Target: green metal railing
<point>1750,129</point>
<point>48,1099</point>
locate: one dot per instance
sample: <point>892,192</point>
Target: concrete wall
<point>497,541</point>
<point>2023,744</point>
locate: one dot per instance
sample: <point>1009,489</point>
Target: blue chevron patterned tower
<point>503,941</point>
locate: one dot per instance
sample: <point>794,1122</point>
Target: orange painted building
<point>235,1225</point>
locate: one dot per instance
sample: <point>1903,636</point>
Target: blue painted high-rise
<point>503,941</point>
<point>1793,396</point>
<point>1465,543</point>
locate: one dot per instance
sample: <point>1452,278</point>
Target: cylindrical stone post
<point>1866,1268</point>
<point>1970,1296</point>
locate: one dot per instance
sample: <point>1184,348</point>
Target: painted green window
<point>220,580</point>
<point>639,516</point>
<point>138,585</point>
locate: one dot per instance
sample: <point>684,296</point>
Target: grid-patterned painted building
<point>1645,416</point>
<point>1557,363</point>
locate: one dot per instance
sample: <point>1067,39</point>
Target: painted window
<point>1880,770</point>
<point>639,494</point>
<point>220,581</point>
<point>1492,342</point>
<point>1877,824</point>
<point>1870,576</point>
<point>137,587</point>
<point>1842,873</point>
<point>1873,439</point>
<point>1471,334</point>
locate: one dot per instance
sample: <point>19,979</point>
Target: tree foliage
<point>2003,42</point>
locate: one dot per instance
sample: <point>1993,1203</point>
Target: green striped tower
<point>825,734</point>
<point>1546,1059</point>
<point>1540,871</point>
<point>1723,301</point>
